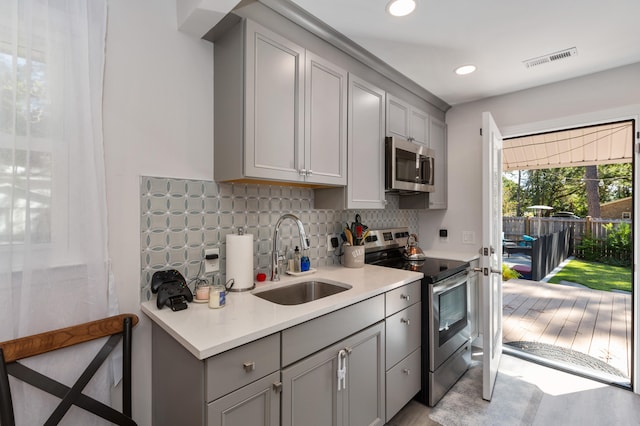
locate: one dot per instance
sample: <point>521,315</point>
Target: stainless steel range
<point>445,327</point>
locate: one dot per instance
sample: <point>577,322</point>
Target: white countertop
<point>206,332</point>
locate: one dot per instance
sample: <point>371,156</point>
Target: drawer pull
<point>277,387</point>
<point>406,371</point>
<point>249,366</point>
<point>405,321</point>
<point>405,297</point>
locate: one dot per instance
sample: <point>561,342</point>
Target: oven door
<point>448,325</point>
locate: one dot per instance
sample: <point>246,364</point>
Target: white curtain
<point>54,268</point>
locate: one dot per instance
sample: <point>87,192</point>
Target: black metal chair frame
<point>24,348</point>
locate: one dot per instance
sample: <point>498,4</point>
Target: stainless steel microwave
<point>408,166</point>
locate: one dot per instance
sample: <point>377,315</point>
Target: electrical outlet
<point>333,242</point>
<point>329,246</point>
<point>211,260</point>
<point>468,237</point>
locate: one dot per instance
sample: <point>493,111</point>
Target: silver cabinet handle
<point>249,366</point>
<point>342,369</point>
<point>277,387</point>
<point>302,172</point>
<point>406,371</point>
<point>405,297</point>
<point>309,172</point>
<point>405,321</point>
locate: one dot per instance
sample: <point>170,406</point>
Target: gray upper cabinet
<point>325,121</point>
<point>365,180</point>
<point>438,142</point>
<point>406,121</point>
<point>280,111</point>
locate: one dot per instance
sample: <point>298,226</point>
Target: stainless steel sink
<point>298,293</point>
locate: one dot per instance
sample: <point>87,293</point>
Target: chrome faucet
<point>275,256</point>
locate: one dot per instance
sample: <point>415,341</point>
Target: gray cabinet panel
<point>273,113</point>
<point>325,121</point>
<point>397,118</point>
<point>257,404</point>
<point>242,365</point>
<point>403,383</point>
<point>438,142</point>
<point>403,333</point>
<point>366,378</point>
<point>402,297</point>
<point>177,382</point>
<point>311,336</point>
<point>310,393</point>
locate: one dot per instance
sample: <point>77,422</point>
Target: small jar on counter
<point>217,296</point>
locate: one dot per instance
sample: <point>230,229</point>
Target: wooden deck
<point>593,322</point>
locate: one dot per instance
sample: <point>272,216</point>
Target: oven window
<point>452,312</point>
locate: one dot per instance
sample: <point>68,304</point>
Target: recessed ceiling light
<point>465,69</point>
<point>401,7</point>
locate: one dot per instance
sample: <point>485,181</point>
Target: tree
<point>591,188</point>
<point>565,189</point>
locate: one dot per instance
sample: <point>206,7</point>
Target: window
<point>26,160</point>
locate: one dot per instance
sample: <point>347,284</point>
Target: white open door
<point>491,256</point>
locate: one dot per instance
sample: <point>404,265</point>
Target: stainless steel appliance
<point>409,166</point>
<point>446,345</point>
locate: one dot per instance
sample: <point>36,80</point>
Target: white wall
<point>158,121</point>
<point>585,95</point>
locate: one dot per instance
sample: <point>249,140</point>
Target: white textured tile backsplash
<point>181,218</point>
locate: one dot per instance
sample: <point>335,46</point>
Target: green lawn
<point>597,276</point>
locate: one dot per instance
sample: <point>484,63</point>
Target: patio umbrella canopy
<point>539,209</point>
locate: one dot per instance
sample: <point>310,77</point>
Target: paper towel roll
<point>240,261</point>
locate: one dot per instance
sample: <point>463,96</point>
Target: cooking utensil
<point>412,251</point>
<point>349,235</point>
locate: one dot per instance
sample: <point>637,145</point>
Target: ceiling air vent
<point>551,57</point>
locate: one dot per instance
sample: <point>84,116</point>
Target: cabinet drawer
<point>257,404</point>
<point>403,382</point>
<point>241,366</point>
<point>403,333</point>
<point>311,336</point>
<point>402,297</point>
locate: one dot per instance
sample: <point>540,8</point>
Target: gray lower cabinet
<point>403,346</point>
<point>257,404</point>
<point>315,394</point>
<point>235,388</point>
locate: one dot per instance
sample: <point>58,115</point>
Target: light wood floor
<point>596,323</point>
<point>526,394</point>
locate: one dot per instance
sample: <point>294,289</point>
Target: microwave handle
<point>431,171</point>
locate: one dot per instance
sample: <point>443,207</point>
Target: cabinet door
<point>419,126</point>
<point>325,122</point>
<point>273,105</point>
<point>365,392</point>
<point>257,404</point>
<point>398,113</point>
<point>311,394</point>
<point>438,142</point>
<point>365,187</point>
<point>310,391</point>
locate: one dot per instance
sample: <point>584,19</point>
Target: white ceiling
<point>495,35</point>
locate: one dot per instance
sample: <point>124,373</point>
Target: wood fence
<point>514,228</point>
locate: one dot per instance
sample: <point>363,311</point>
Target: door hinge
<point>638,135</point>
<point>480,131</point>
<point>485,251</point>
